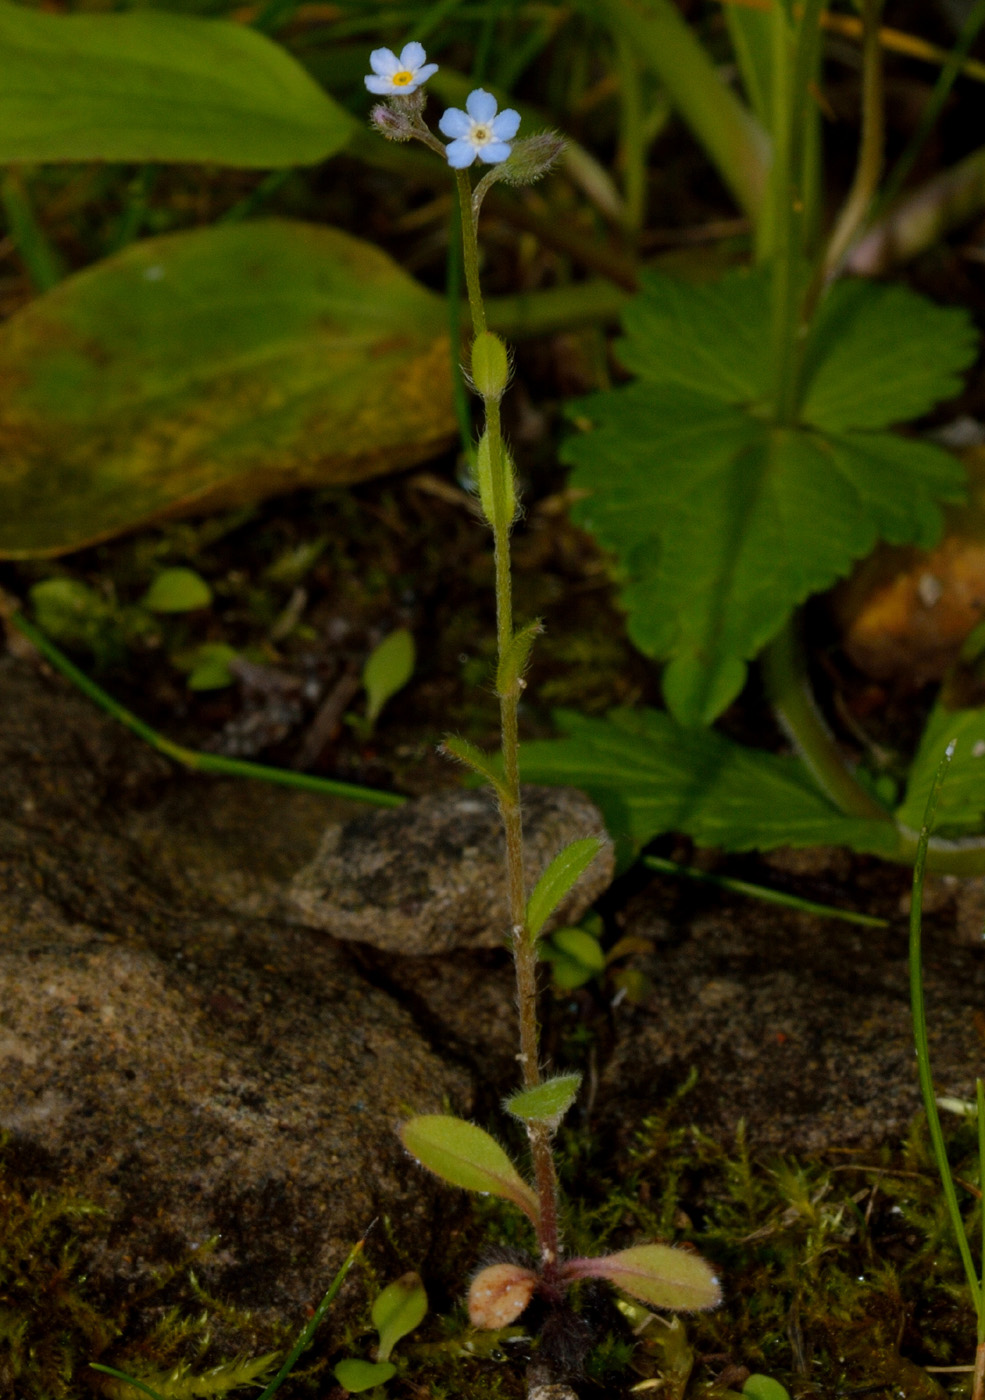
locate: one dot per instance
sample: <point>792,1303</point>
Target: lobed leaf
<point>656,1274</point>
<point>722,522</point>
<point>152,86</point>
<point>961,805</point>
<point>465,1156</point>
<point>400,1308</point>
<point>547,1103</point>
<point>558,879</point>
<point>206,369</point>
<point>649,775</point>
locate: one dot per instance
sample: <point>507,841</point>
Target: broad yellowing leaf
<point>206,369</point>
<point>398,1310</point>
<point>464,1155</point>
<point>547,1102</point>
<point>560,876</point>
<point>656,1274</point>
<point>152,86</point>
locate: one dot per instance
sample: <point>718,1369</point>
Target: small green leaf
<point>211,666</point>
<point>584,947</point>
<point>177,591</point>
<point>560,876</point>
<point>354,1375</point>
<point>547,1103</point>
<point>482,764</point>
<point>657,1274</point>
<point>513,662</point>
<point>464,1155</point>
<point>398,1310</point>
<point>764,1388</point>
<point>568,974</point>
<point>151,86</point>
<point>66,609</point>
<point>388,669</point>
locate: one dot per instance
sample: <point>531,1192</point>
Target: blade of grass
<point>763,892</point>
<point>192,759</point>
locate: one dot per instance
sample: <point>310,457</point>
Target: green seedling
<point>210,666</point>
<point>459,1152</point>
<point>400,1308</point>
<point>177,590</point>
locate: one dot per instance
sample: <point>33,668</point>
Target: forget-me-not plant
<point>478,131</point>
<point>399,75</point>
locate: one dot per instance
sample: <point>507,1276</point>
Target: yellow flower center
<point>481,136</point>
<point>402,78</point>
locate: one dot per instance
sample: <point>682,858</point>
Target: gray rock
<point>430,877</point>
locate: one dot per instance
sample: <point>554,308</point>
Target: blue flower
<point>392,75</point>
<point>478,131</point>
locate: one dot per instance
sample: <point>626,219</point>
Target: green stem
<point>920,1036</point>
<point>871,151</point>
<point>192,759</point>
<point>470,252</point>
<point>789,692</point>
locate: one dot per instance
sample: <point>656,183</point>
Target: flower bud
<point>490,365</point>
<point>499,1294</point>
<point>484,477</point>
<point>532,157</point>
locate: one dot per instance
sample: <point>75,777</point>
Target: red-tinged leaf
<point>657,1274</point>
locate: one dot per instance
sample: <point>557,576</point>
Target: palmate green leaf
<point>151,86</point>
<point>961,806</point>
<point>400,1308</point>
<point>722,522</point>
<point>206,369</point>
<point>464,1155</point>
<point>561,875</point>
<point>657,1274</point>
<point>649,775</point>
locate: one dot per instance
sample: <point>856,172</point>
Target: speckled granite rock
<point>429,877</point>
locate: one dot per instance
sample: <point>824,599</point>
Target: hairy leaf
<point>547,1103</point>
<point>514,660</point>
<point>151,86</point>
<point>650,775</point>
<point>561,875</point>
<point>466,1156</point>
<point>398,1310</point>
<point>656,1274</point>
<point>482,764</point>
<point>723,522</point>
<point>200,370</point>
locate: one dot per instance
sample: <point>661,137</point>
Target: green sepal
<point>355,1375</point>
<point>480,763</point>
<point>465,1156</point>
<point>547,1103</point>
<point>559,877</point>
<point>398,1310</point>
<point>513,662</point>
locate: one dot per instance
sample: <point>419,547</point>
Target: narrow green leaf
<point>152,86</point>
<point>547,1103</point>
<point>649,775</point>
<point>464,1155</point>
<point>355,1375</point>
<point>560,876</point>
<point>481,763</point>
<point>513,662</point>
<point>657,1274</point>
<point>388,669</point>
<point>177,591</point>
<point>398,1310</point>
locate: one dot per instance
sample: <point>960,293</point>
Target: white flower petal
<point>481,106</point>
<point>455,123</point>
<point>382,87</point>
<point>494,152</point>
<point>506,125</point>
<point>412,55</point>
<point>460,154</point>
<point>426,72</point>
<point>385,62</point>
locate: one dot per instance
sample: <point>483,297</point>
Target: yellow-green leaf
<point>397,1311</point>
<point>206,369</point>
<point>464,1155</point>
<point>657,1274</point>
<point>559,877</point>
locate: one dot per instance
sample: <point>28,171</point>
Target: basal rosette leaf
<point>465,1156</point>
<point>657,1274</point>
<point>722,522</point>
<point>649,775</point>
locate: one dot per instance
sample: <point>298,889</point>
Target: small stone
<point>430,877</point>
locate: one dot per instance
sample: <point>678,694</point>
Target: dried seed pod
<point>499,1295</point>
